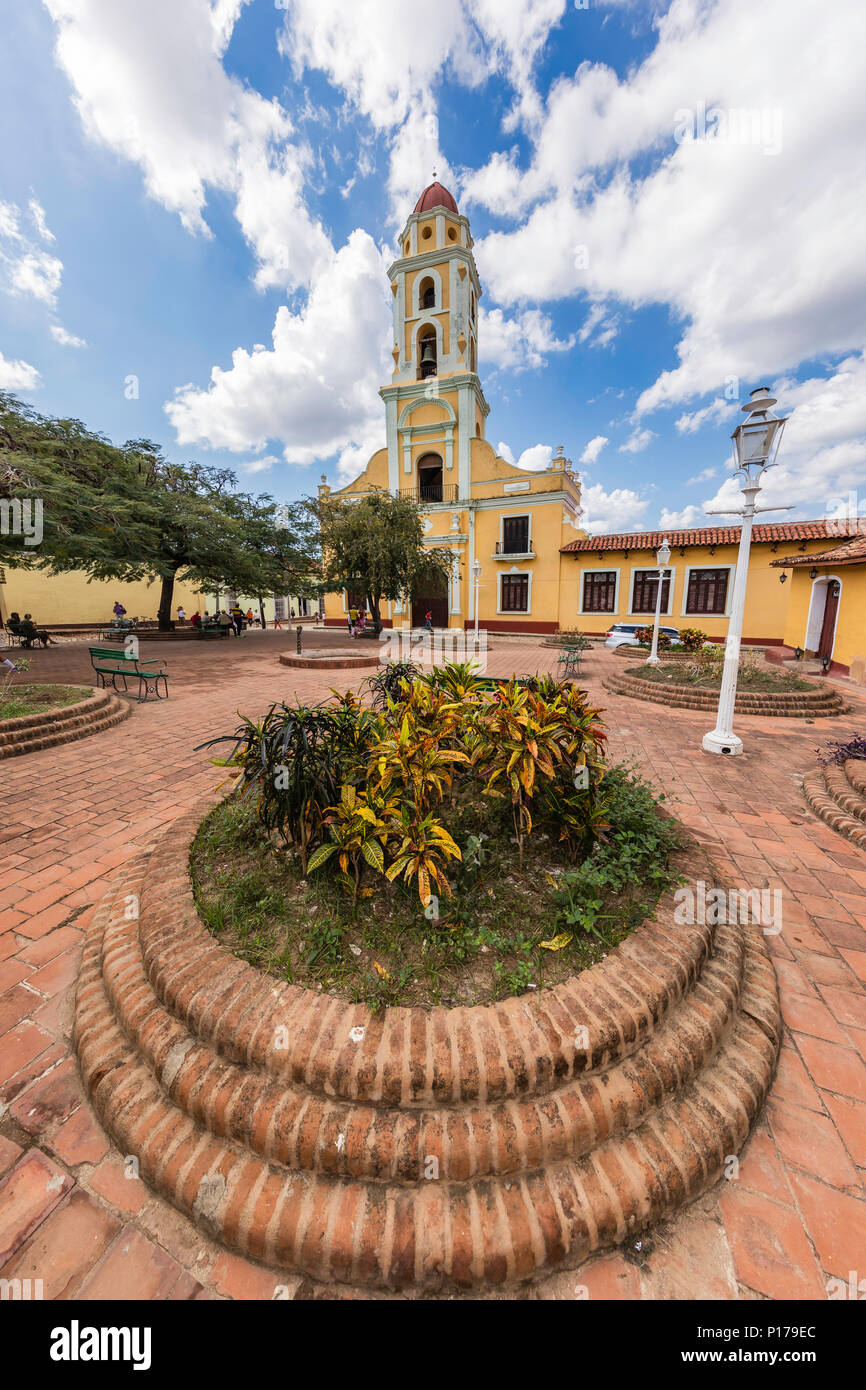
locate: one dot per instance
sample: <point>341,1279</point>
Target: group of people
<point>357,621</point>
<point>28,630</point>
<point>237,620</point>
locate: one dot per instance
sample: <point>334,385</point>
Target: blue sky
<point>199,198</point>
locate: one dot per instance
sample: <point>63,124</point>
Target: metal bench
<point>569,660</point>
<point>109,664</point>
<point>212,630</point>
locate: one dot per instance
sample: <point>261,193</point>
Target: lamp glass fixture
<point>663,554</point>
<point>756,441</point>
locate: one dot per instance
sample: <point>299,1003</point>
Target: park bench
<point>212,630</point>
<point>569,660</point>
<point>109,664</point>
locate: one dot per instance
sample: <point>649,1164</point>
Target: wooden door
<point>828,626</point>
<point>433,599</point>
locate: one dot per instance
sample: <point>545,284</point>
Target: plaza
<point>787,1227</point>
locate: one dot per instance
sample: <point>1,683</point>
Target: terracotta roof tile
<point>852,553</point>
<point>718,535</point>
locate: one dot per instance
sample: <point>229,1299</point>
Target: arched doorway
<point>432,597</point>
<point>823,613</point>
<point>430,478</point>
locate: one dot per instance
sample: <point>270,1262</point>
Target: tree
<point>377,546</point>
<point>128,513</point>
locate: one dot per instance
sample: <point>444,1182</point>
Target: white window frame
<point>670,572</point>
<point>728,595</point>
<point>511,516</point>
<point>511,612</point>
<point>592,613</point>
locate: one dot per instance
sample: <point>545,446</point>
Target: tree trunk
<point>262,618</point>
<point>374,614</point>
<point>163,613</point>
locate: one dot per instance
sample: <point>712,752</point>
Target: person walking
<point>238,620</point>
<point>428,621</point>
<point>353,619</point>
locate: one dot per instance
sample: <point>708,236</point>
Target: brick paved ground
<point>795,1216</point>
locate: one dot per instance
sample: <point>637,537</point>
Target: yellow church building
<point>539,571</point>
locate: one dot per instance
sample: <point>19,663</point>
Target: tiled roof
<point>435,196</point>
<point>852,553</point>
<point>719,535</point>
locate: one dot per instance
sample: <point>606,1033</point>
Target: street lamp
<point>663,554</point>
<point>755,444</point>
<point>476,571</point>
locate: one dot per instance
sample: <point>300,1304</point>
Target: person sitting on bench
<point>31,633</point>
<point>225,620</point>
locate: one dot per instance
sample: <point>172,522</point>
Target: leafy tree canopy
<point>377,546</point>
<point>128,513</point>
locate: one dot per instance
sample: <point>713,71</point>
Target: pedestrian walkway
<point>791,1217</point>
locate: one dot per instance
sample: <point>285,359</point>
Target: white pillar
<point>722,738</point>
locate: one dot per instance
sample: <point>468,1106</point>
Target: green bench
<point>109,664</point>
<point>212,630</point>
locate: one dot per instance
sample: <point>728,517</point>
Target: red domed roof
<point>435,196</point>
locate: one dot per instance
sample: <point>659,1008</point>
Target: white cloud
<point>25,268</point>
<point>594,448</point>
<point>755,252</point>
<point>533,459</point>
<point>636,442</point>
<point>718,410</point>
<point>684,520</point>
<point>519,342</point>
<point>622,509</point>
<point>259,465</point>
<point>149,83</point>
<point>822,457</point>
<point>702,477</point>
<point>17,376</point>
<point>312,389</point>
<point>60,335</point>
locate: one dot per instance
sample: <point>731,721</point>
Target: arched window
<point>427,363</point>
<point>427,293</point>
<point>429,478</point>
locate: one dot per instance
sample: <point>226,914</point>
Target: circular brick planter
<point>819,703</point>
<point>329,661</point>
<point>417,1152</point>
<point>837,793</point>
<point>97,710</point>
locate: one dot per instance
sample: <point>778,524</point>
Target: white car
<point>624,634</point>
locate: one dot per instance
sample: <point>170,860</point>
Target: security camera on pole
<point>663,554</point>
<point>755,444</point>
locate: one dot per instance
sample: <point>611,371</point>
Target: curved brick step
<point>65,725</point>
<point>833,797</point>
<point>855,775</point>
<point>808,704</point>
<point>311,1157</point>
<point>289,1126</point>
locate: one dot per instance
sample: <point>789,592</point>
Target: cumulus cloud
<point>17,376</point>
<point>637,441</point>
<point>684,520</point>
<point>60,335</point>
<point>149,83</point>
<point>752,243</point>
<point>594,448</point>
<point>26,269</point>
<point>311,389</point>
<point>622,509</point>
<point>702,477</point>
<point>533,459</point>
<point>517,342</point>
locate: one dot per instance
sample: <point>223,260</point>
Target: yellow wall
<point>851,621</point>
<point>767,601</point>
<point>69,598</point>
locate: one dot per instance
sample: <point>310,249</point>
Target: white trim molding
<point>670,573</point>
<point>504,574</point>
<point>814,620</point>
<point>593,613</point>
<point>728,595</point>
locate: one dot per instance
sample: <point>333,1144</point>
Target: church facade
<point>475,503</point>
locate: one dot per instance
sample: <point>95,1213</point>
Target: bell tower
<point>434,404</point>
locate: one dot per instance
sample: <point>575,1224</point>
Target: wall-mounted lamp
<point>782,578</point>
<point>813,573</point>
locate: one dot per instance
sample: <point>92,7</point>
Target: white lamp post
<point>755,444</point>
<point>663,554</point>
<point>476,571</point>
